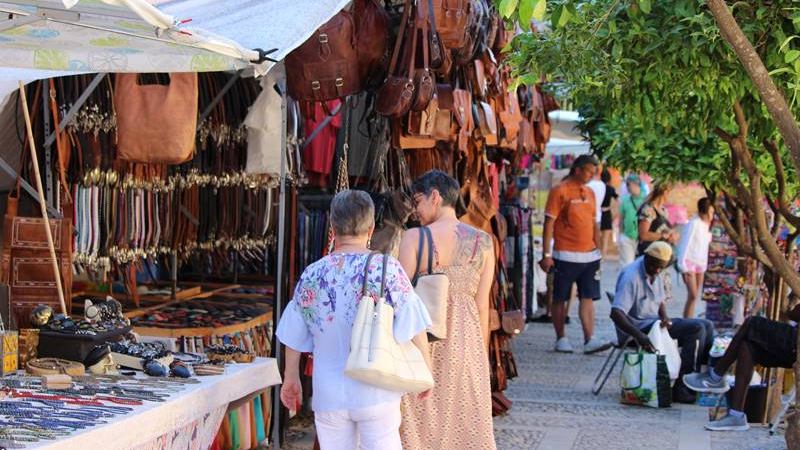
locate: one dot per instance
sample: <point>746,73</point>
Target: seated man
<point>640,301</point>
<point>758,341</point>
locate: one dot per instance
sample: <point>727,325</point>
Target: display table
<point>189,420</point>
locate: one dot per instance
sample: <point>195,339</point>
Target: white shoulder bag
<point>432,288</point>
<point>375,356</point>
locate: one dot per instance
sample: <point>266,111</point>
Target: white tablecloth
<point>197,406</point>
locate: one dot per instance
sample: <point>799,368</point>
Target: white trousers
<point>627,250</point>
<point>371,428</point>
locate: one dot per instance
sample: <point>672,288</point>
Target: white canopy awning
<point>43,39</point>
<point>97,37</point>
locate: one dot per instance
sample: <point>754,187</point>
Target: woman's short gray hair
<point>352,213</point>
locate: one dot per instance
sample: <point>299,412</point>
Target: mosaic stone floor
<point>554,408</point>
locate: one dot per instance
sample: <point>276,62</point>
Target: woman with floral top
<point>349,414</point>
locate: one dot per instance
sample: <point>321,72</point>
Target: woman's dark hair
<point>703,205</point>
<point>447,186</point>
<point>605,176</point>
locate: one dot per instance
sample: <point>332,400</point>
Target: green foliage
<point>656,79</point>
<point>521,11</point>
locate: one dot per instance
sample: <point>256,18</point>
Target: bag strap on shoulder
<point>366,273</point>
<point>383,275</point>
<point>424,235</point>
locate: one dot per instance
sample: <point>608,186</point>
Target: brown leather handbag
<point>156,124</point>
<point>372,34</point>
<point>27,267</point>
<point>444,127</point>
<point>453,18</point>
<point>462,102</point>
<point>404,140</point>
<point>424,83</point>
<point>477,192</point>
<point>510,118</point>
<point>423,123</point>
<point>396,95</point>
<point>326,66</point>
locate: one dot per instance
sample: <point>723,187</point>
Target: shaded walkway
<point>554,408</point>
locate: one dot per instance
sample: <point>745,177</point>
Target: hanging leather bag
<point>440,56</point>
<point>462,102</point>
<point>326,66</point>
<point>444,127</point>
<point>372,23</point>
<point>396,95</point>
<point>510,118</point>
<point>433,288</point>
<point>156,124</point>
<point>453,18</point>
<point>376,357</point>
<point>26,265</point>
<point>424,83</point>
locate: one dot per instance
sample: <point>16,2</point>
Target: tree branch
<point>724,135</point>
<point>782,206</point>
<point>736,236</point>
<point>752,63</point>
<point>741,120</point>
<point>754,196</point>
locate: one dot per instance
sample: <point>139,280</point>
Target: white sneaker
<point>596,345</point>
<point>729,423</point>
<point>563,345</point>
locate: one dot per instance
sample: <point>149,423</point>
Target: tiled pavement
<point>555,410</point>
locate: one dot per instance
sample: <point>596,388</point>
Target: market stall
<point>46,41</point>
<point>188,417</point>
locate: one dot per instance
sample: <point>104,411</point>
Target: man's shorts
<point>772,344</point>
<point>586,275</point>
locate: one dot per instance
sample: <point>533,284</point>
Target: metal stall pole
<point>279,278</point>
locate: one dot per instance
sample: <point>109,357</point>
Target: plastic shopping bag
<point>644,380</point>
<point>665,345</point>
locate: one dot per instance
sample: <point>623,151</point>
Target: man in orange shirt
<point>571,226</point>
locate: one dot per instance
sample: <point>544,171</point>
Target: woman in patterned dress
<point>348,414</point>
<point>458,414</point>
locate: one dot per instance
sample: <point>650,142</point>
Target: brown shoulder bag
<point>326,65</point>
<point>156,124</point>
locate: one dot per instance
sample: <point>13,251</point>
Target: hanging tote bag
<point>376,357</point>
<point>432,288</point>
<point>645,380</point>
<point>155,123</point>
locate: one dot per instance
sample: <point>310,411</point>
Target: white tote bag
<point>665,345</point>
<point>375,355</point>
<point>432,288</point>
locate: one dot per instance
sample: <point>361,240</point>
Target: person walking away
<point>653,222</point>
<point>458,414</point>
<point>640,299</point>
<point>607,209</point>
<point>571,226</point>
<point>629,220</point>
<point>693,253</point>
<point>349,414</point>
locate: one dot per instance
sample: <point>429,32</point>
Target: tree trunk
<point>772,97</point>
